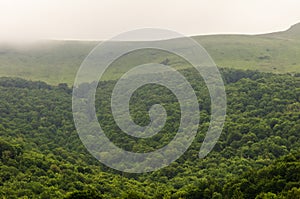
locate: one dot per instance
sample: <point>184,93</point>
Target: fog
<point>30,20</point>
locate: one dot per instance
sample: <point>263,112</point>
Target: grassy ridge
<point>58,61</point>
<point>51,61</point>
<point>263,53</point>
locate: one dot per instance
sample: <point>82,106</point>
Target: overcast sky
<point>103,19</point>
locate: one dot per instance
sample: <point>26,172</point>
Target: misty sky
<point>103,19</point>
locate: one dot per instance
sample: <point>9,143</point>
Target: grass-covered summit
<point>58,61</point>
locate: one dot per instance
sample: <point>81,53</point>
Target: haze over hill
<point>58,61</point>
<point>292,33</point>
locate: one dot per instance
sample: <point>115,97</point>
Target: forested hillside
<point>257,156</point>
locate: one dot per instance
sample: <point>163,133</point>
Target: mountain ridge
<point>57,61</point>
<point>291,33</point>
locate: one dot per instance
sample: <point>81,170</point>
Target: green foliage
<point>278,179</point>
<point>86,194</point>
<point>257,155</point>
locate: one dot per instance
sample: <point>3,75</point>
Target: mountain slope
<point>276,52</point>
<point>58,61</point>
<point>41,155</point>
<point>293,33</point>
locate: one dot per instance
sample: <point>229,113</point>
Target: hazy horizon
<point>94,20</point>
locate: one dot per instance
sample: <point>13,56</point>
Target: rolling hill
<point>57,61</point>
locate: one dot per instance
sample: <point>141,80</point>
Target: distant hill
<point>292,33</point>
<point>50,61</point>
<point>275,52</point>
<point>57,61</point>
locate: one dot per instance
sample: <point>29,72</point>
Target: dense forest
<point>257,155</point>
